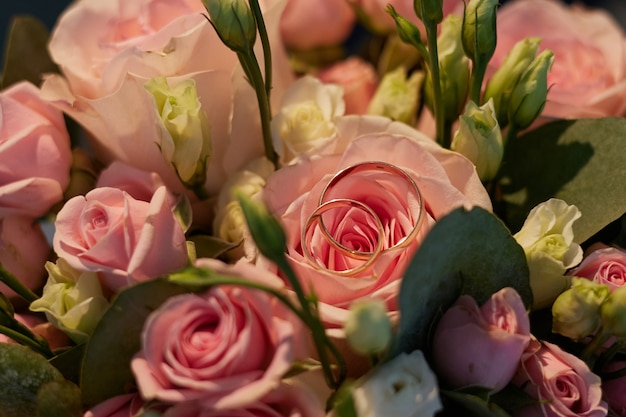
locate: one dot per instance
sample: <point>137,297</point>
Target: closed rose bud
<point>479,30</point>
<point>234,23</point>
<point>368,328</point>
<point>613,313</point>
<point>529,96</point>
<point>576,312</point>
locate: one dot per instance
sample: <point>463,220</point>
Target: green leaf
<point>59,399</point>
<point>578,161</point>
<point>116,339</point>
<point>210,246</point>
<point>466,252</point>
<point>22,373</point>
<point>68,362</point>
<point>462,404</point>
<point>26,55</point>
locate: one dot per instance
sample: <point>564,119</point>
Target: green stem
<point>476,81</point>
<point>447,134</point>
<point>587,353</point>
<point>438,108</point>
<point>265,43</point>
<point>9,279</point>
<point>40,346</point>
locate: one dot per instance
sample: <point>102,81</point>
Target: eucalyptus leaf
<point>68,362</point>
<point>578,161</point>
<point>466,252</point>
<point>106,366</point>
<point>22,373</point>
<point>59,399</point>
<point>26,54</point>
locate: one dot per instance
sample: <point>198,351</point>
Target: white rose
<point>405,386</point>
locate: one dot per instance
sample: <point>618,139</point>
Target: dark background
<point>48,11</point>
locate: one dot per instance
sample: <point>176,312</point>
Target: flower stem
<point>587,353</point>
<point>37,344</point>
<point>476,82</point>
<point>12,282</point>
<point>438,109</point>
<point>265,43</point>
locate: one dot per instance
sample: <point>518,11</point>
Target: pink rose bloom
<point>124,239</point>
<point>561,381</point>
<point>358,79</point>
<point>445,181</point>
<point>614,389</point>
<point>307,24</point>
<point>127,405</point>
<point>603,265</point>
<point>588,77</point>
<point>227,347</point>
<point>56,338</point>
<point>107,51</point>
<point>285,401</point>
<point>34,131</point>
<point>24,251</point>
<point>140,184</point>
<point>481,346</point>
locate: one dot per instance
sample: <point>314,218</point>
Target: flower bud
<point>265,229</point>
<point>185,133</point>
<point>368,328</point>
<point>397,95</point>
<point>454,70</point>
<point>479,30</point>
<point>576,312</point>
<point>429,10</point>
<point>613,313</point>
<point>72,300</point>
<point>479,139</point>
<point>502,83</point>
<point>234,23</point>
<point>529,95</point>
<point>407,31</point>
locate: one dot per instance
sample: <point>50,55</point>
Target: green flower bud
<point>265,229</point>
<point>429,10</point>
<point>529,95</point>
<point>185,134</point>
<point>479,30</point>
<point>454,70</point>
<point>397,96</point>
<point>613,313</point>
<point>407,31</point>
<point>479,139</point>
<point>368,328</point>
<point>576,312</point>
<point>234,23</point>
<point>502,83</point>
<point>72,300</point>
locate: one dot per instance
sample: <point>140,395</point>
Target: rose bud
<point>368,328</point>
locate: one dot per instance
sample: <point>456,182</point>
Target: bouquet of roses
<point>313,208</point>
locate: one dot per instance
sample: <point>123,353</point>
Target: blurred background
<point>48,11</point>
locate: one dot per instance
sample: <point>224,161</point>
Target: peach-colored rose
<point>227,347</point>
<point>124,239</point>
<point>561,381</point>
<point>603,265</point>
<point>307,24</point>
<point>481,345</point>
<point>23,252</point>
<point>35,154</point>
<point>445,180</point>
<point>107,52</point>
<point>588,78</point>
<point>358,79</point>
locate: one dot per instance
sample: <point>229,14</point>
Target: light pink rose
<point>126,405</point>
<point>285,401</point>
<point>588,77</point>
<point>358,79</point>
<point>615,388</point>
<point>56,338</point>
<point>124,239</point>
<point>140,184</point>
<point>31,130</point>
<point>561,381</point>
<point>307,24</point>
<point>445,180</point>
<point>227,347</point>
<point>24,251</point>
<point>107,51</point>
<point>603,265</point>
<point>481,345</point>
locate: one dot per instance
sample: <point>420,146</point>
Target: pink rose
<point>588,78</point>
<point>127,405</point>
<point>140,184</point>
<point>285,401</point>
<point>302,20</point>
<point>444,179</point>
<point>603,265</point>
<point>227,347</point>
<point>562,383</point>
<point>358,79</point>
<point>481,346</point>
<point>23,252</point>
<point>615,388</point>
<point>109,50</point>
<point>124,239</point>
<point>31,130</point>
